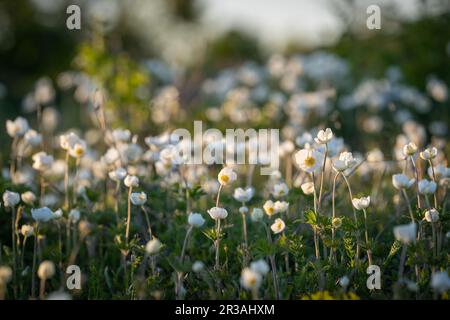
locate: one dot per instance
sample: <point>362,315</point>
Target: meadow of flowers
<point>140,223</point>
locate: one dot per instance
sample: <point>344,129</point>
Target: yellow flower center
<point>224,178</point>
<point>310,161</point>
<point>270,210</point>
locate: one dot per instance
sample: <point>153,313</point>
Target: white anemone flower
<point>10,199</point>
<point>218,213</point>
<point>307,188</point>
<point>427,186</point>
<point>196,220</point>
<point>138,198</point>
<point>308,160</point>
<point>400,181</point>
<point>409,149</point>
<point>42,214</point>
<point>42,161</point>
<point>431,215</point>
<point>429,153</point>
<point>131,181</point>
<point>280,190</point>
<point>226,176</point>
<point>324,136</point>
<point>278,226</point>
<point>17,128</point>
<point>361,203</point>
<point>243,195</point>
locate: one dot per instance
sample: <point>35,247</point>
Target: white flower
<point>429,153</point>
<point>324,136</point>
<point>218,213</point>
<point>250,279</point>
<point>280,190</point>
<point>308,160</point>
<point>336,222</point>
<point>117,175</point>
<point>405,233</point>
<point>11,199</point>
<point>198,266</point>
<point>33,138</point>
<point>153,246</point>
<point>243,195</point>
<point>361,203</point>
<point>344,162</point>
<point>269,208</point>
<point>440,171</point>
<point>131,181</point>
<point>196,220</point>
<point>260,266</point>
<point>257,214</point>
<point>226,176</point>
<point>57,214</point>
<point>344,282</point>
<point>400,181</point>
<point>68,141</point>
<point>278,226</point>
<point>17,128</point>
<point>42,161</point>
<point>78,150</point>
<point>26,230</point>
<point>409,149</point>
<point>138,198</point>
<point>243,210</point>
<point>432,215</point>
<point>281,206</point>
<point>28,197</point>
<point>427,186</point>
<point>42,214</point>
<point>307,188</point>
<point>74,215</point>
<point>121,135</point>
<point>5,275</point>
<point>440,281</point>
<point>46,270</point>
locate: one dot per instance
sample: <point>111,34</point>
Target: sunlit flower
<point>217,213</point>
<point>121,135</point>
<point>196,220</point>
<point>345,161</point>
<point>269,208</point>
<point>68,141</point>
<point>153,246</point>
<point>42,161</point>
<point>78,150</point>
<point>281,206</point>
<point>17,128</point>
<point>33,138</point>
<point>243,195</point>
<point>429,153</point>
<point>361,203</point>
<point>10,199</point>
<point>405,233</point>
<point>307,188</point>
<point>46,270</point>
<point>117,175</point>
<point>427,186</point>
<point>26,230</point>
<point>131,181</point>
<point>308,160</point>
<point>138,198</point>
<point>198,266</point>
<point>250,279</point>
<point>400,181</point>
<point>324,136</point>
<point>431,215</point>
<point>28,197</point>
<point>409,149</point>
<point>227,176</point>
<point>278,226</point>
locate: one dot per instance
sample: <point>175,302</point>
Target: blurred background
<point>168,53</point>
